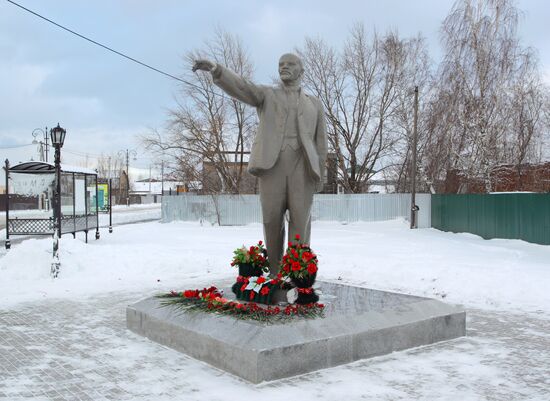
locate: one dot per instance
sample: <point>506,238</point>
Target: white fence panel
<point>245,209</point>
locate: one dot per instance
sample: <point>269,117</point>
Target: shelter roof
<point>35,167</point>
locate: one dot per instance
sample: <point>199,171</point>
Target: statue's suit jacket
<point>271,105</point>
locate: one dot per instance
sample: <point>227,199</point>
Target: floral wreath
<point>212,300</point>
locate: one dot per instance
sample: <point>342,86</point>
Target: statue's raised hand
<point>204,65</point>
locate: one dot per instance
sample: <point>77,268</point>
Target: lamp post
<point>57,135</point>
<point>43,144</point>
<point>127,153</point>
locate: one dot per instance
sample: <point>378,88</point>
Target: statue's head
<point>291,68</point>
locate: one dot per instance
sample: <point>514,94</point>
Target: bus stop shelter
<point>79,199</point>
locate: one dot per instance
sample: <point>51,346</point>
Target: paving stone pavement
<point>81,350</point>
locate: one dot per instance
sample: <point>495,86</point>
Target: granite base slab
<point>358,323</point>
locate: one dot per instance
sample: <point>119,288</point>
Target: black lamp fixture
<point>57,135</point>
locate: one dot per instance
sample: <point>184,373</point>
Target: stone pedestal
<point>359,323</point>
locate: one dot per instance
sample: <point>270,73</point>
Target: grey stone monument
<point>289,151</point>
<point>359,323</point>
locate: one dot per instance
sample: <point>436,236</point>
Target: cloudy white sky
<point>105,102</point>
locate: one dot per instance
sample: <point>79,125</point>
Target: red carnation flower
<point>264,291</point>
<point>252,294</point>
<point>260,280</point>
<point>296,266</point>
<point>297,236</point>
<point>311,268</point>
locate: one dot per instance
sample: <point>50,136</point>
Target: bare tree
<point>486,109</point>
<point>208,131</point>
<point>528,121</point>
<point>360,89</point>
<point>111,166</point>
<point>415,71</point>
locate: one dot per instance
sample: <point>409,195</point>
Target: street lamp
<point>43,144</point>
<point>122,153</point>
<point>57,136</point>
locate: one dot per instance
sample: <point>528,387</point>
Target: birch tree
<point>485,111</point>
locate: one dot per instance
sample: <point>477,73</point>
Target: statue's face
<point>290,68</point>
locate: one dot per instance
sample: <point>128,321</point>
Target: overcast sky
<point>48,75</point>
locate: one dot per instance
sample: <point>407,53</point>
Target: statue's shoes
<point>292,295</point>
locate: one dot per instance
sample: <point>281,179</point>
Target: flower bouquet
<point>251,261</point>
<point>251,285</point>
<point>299,263</point>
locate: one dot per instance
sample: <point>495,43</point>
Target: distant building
<point>212,183</point>
<point>150,190</point>
<point>379,183</point>
<point>154,186</point>
<point>504,178</point>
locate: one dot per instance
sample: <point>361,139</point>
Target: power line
<point>111,49</point>
<point>17,146</point>
<point>83,155</point>
<point>79,152</point>
<point>94,156</point>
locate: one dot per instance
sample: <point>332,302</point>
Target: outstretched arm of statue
<point>232,84</point>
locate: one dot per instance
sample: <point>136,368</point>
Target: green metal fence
<point>516,216</point>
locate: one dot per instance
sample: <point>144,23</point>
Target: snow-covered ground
<point>504,285</point>
<point>461,268</point>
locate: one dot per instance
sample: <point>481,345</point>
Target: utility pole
<point>414,207</point>
<point>46,143</point>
